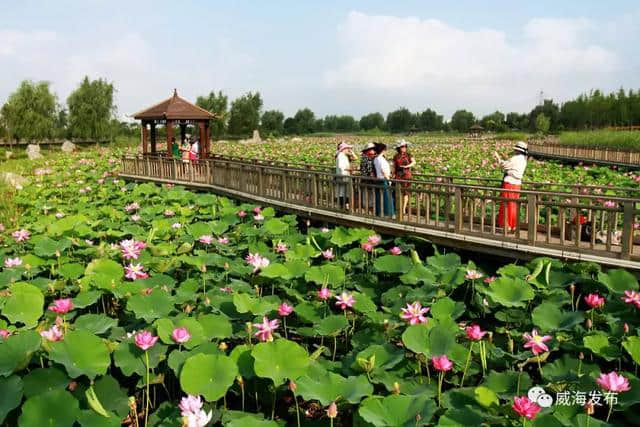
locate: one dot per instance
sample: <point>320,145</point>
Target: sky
<point>335,57</point>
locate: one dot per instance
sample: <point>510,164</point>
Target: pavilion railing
<point>569,221</point>
<point>586,154</point>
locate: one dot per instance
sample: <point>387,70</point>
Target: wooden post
<point>532,221</point>
<point>143,135</point>
<point>459,211</point>
<point>314,189</point>
<point>627,230</point>
<point>399,211</point>
<point>153,137</point>
<point>203,137</point>
<point>169,126</point>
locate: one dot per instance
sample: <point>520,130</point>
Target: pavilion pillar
<point>143,136</point>
<point>203,137</point>
<point>169,134</point>
<point>183,132</point>
<point>153,137</point>
<point>207,137</point>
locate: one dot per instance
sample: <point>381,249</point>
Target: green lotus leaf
<point>446,308</point>
<point>241,354</point>
<point>331,325</point>
<point>198,229</point>
<point>245,303</point>
<point>243,419</point>
<point>418,274</point>
<point>632,345</point>
<point>279,360</point>
<point>384,356</point>
<point>215,326</point>
<point>86,298</point>
<point>95,323</point>
<point>450,261</point>
<point>275,226</point>
<point>51,409</point>
<point>209,375</point>
<point>441,340</point>
<point>393,264</point>
<point>130,359</point>
<point>397,410</point>
<point>275,271</point>
<point>599,344</point>
<point>165,329</point>
<point>24,305</point>
<point>327,387</point>
<point>618,281</point>
<point>104,273</point>
<point>150,307</point>
<point>42,380</point>
<point>112,397</point>
<point>456,417</point>
<point>548,317</point>
<point>16,352</point>
<point>505,384</point>
<point>416,339</point>
<point>11,390</point>
<point>90,418</point>
<point>71,271</point>
<point>65,224</point>
<point>47,247</point>
<point>82,353</point>
<point>327,274</point>
<point>177,357</point>
<point>510,292</point>
<point>486,397</point>
<point>513,270</point>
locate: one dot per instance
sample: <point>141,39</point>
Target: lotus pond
<point>139,304</point>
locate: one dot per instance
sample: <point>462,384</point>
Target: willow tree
<point>30,112</point>
<point>91,110</point>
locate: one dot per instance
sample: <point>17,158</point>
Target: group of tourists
<point>189,151</point>
<point>379,173</point>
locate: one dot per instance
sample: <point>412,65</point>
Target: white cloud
<point>426,62</point>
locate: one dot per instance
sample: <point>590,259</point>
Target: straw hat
<point>401,143</point>
<point>522,147</point>
<point>369,146</point>
<point>344,146</point>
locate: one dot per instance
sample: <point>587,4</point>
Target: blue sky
<point>332,56</point>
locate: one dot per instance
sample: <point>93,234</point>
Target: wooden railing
<point>586,154</point>
<point>567,224</point>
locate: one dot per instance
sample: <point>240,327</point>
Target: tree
<point>429,120</point>
<point>347,124</point>
<point>330,123</point>
<point>216,104</point>
<point>306,121</point>
<point>30,112</point>
<point>494,122</point>
<point>400,120</point>
<point>462,120</point>
<point>244,115</point>
<point>272,123</point>
<point>372,121</point>
<point>290,126</point>
<point>542,124</point>
<point>550,110</point>
<point>91,110</point>
<point>517,121</point>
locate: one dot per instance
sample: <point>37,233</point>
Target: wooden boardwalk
<point>588,155</point>
<point>452,211</point>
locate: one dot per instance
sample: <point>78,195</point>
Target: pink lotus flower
<point>53,334</point>
<point>281,248</point>
<point>197,419</point>
<point>145,340</point>
<point>135,272</point>
<point>266,328</point>
<point>4,334</point>
<point>367,247</point>
<point>257,210</point>
<point>169,213</point>
<point>490,279</point>
<point>59,215</point>
<point>374,240</point>
<point>242,214</point>
<point>223,240</point>
<point>258,217</point>
<point>525,407</point>
<point>441,363</point>
<point>285,309</point>
<point>536,342</point>
<point>324,230</point>
<point>474,333</point>
<point>345,300</point>
<point>632,297</point>
<point>414,313</point>
<point>324,294</point>
<point>473,275</point>
<point>395,250</point>
<point>206,240</point>
<point>62,306</point>
<point>132,207</point>
<point>21,235</point>
<point>594,300</point>
<point>257,261</point>
<point>610,204</point>
<point>12,262</point>
<point>131,249</point>
<point>135,218</point>
<point>332,410</point>
<point>328,254</point>
<point>176,225</point>
<point>190,404</point>
<point>181,335</point>
<point>613,382</point>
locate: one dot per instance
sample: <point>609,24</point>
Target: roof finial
<point>175,92</point>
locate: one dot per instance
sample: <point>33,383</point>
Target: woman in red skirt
<point>513,168</point>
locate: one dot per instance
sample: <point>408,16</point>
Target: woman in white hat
<point>403,161</point>
<point>513,168</point>
<point>344,156</point>
<point>367,171</point>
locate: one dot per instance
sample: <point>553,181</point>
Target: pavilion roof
<point>174,108</point>
<point>476,127</point>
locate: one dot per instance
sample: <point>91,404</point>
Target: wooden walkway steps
<point>447,212</point>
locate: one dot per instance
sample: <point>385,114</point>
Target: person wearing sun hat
<point>367,171</point>
<point>383,173</point>
<point>513,169</point>
<point>344,156</point>
<point>403,161</point>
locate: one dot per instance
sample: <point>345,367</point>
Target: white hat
<point>369,146</point>
<point>401,143</point>
<point>522,147</point>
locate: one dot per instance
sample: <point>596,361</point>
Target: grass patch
<point>513,136</point>
<point>610,139</point>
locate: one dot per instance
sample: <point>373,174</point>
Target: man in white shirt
<point>513,169</point>
<point>383,173</point>
<point>344,155</point>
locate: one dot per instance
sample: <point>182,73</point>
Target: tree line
<point>32,112</point>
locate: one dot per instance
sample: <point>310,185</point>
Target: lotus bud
<point>203,268</point>
<point>207,301</point>
<point>72,386</point>
<point>240,381</point>
<point>249,327</point>
<point>293,386</point>
<point>589,323</point>
<point>132,403</point>
<point>332,410</point>
<point>581,356</point>
<point>188,308</point>
<point>396,388</point>
<point>625,327</point>
<point>510,344</point>
<point>57,254</point>
<point>226,266</point>
<point>223,346</point>
<point>572,287</point>
<point>490,339</point>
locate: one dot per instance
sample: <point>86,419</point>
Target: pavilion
<point>170,112</point>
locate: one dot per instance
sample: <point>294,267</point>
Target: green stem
<point>335,346</point>
<point>539,366</point>
<point>242,391</point>
<point>440,378</point>
<point>146,412</point>
<point>466,366</point>
<point>284,323</point>
<point>297,409</point>
<point>610,411</point>
<point>273,407</point>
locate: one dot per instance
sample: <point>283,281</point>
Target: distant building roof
<point>174,108</point>
<point>476,127</point>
